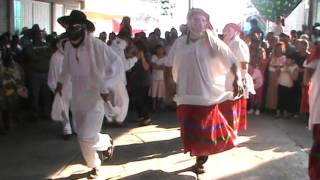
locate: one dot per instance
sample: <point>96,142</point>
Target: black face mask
<point>75,32</point>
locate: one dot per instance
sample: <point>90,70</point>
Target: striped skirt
<point>204,130</point>
<point>235,112</point>
<point>314,157</point>
<point>243,114</point>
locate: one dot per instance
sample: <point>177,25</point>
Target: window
<point>18,17</point>
<point>317,11</point>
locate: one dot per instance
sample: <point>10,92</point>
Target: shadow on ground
<point>144,151</point>
<point>292,167</point>
<point>158,174</point>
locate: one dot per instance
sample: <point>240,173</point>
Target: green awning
<point>270,9</point>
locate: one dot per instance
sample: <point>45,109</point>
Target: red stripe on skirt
<point>314,157</point>
<point>230,111</point>
<point>204,130</point>
<point>304,106</point>
<point>243,114</point>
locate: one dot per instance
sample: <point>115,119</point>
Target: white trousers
<point>60,112</point>
<point>88,126</point>
<point>119,99</point>
<point>66,124</point>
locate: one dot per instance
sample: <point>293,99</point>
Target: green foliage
<point>270,9</point>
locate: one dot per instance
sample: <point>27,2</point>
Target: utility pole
<point>310,15</point>
<point>190,4</point>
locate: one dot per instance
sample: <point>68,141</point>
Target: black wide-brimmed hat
<point>75,17</point>
<point>32,31</point>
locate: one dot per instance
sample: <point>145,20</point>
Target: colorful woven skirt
<point>243,114</point>
<point>204,130</point>
<point>314,157</point>
<point>231,112</point>
<point>304,106</point>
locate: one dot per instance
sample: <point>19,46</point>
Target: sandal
<point>93,174</point>
<point>198,169</point>
<point>107,155</point>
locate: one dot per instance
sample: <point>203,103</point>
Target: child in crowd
<point>277,60</point>
<point>263,61</point>
<point>158,87</point>
<point>288,74</point>
<point>12,89</point>
<point>256,99</point>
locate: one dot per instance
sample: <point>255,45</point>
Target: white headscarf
<point>195,35</point>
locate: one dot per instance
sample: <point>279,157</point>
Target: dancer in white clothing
<point>120,98</point>
<point>94,68</point>
<point>55,69</point>
<point>238,119</point>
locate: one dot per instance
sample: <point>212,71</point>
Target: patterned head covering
<point>233,26</point>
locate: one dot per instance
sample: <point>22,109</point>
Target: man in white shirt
<point>94,68</point>
<point>199,63</point>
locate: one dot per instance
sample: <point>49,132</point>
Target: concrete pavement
<point>270,149</point>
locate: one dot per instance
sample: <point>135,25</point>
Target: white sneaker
<point>257,112</point>
<point>250,111</point>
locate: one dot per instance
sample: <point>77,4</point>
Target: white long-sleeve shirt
<point>127,63</point>
<point>241,51</point>
<point>55,70</point>
<point>94,68</point>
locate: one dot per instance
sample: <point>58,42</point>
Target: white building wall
<point>298,17</point>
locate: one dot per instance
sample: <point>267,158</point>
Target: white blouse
<point>200,71</point>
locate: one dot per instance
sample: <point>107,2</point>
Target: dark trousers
<point>141,102</point>
<point>297,95</point>
<point>40,91</point>
<point>285,101</point>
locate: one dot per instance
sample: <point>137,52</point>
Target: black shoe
<point>198,169</point>
<point>67,137</point>
<point>140,119</point>
<point>93,174</point>
<point>107,155</point>
<point>145,122</point>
